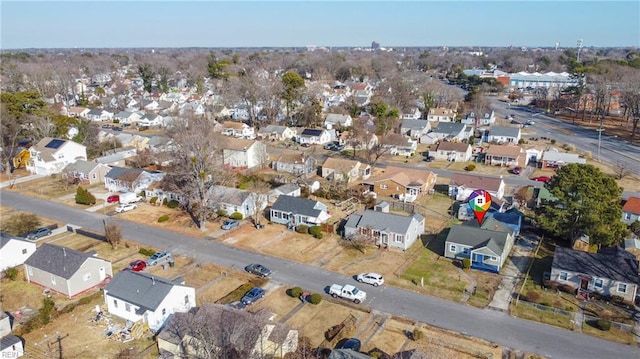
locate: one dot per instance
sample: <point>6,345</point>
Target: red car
<point>544,179</point>
<point>136,266</point>
<point>113,198</point>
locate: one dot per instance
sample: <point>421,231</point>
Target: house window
<point>127,307</point>
<point>465,250</point>
<point>115,303</point>
<point>186,299</point>
<point>598,283</point>
<point>563,276</point>
<point>627,216</point>
<point>622,287</point>
<point>94,176</point>
<point>24,251</point>
<point>452,248</point>
<point>383,186</point>
<point>86,277</point>
<point>164,311</point>
<point>399,238</point>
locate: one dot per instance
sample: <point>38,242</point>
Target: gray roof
<point>507,131</point>
<point>95,112</point>
<point>7,237</point>
<point>415,124</point>
<point>609,263</point>
<point>273,128</point>
<point>61,261</point>
<point>129,174</point>
<point>9,340</point>
<point>449,128</point>
<point>476,237</point>
<point>287,188</point>
<point>81,166</point>
<point>296,205</point>
<point>311,132</point>
<point>229,195</point>
<point>124,114</point>
<point>555,156</point>
<point>149,116</point>
<point>143,290</point>
<point>388,222</point>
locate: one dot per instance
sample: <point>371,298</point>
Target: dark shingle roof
<point>610,263</point>
<point>504,131</point>
<point>382,221</point>
<point>7,341</point>
<point>61,261</point>
<point>449,128</point>
<point>311,132</point>
<point>302,206</point>
<point>81,166</point>
<point>124,174</point>
<point>478,237</point>
<point>229,195</point>
<point>144,290</point>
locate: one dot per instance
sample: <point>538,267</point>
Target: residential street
<point>488,324</point>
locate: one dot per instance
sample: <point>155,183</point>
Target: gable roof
<point>124,174</point>
<point>505,131</point>
<point>7,237</point>
<point>511,151</point>
<point>273,129</point>
<point>388,222</point>
<point>449,128</point>
<point>238,144</point>
<point>337,118</point>
<point>403,176</point>
<point>477,182</point>
<point>287,188</point>
<point>229,195</point>
<point>632,205</point>
<point>144,290</point>
<point>340,164</point>
<point>61,261</point>
<point>414,124</point>
<point>81,166</point>
<point>477,237</point>
<point>297,205</point>
<point>312,132</point>
<point>294,158</point>
<point>554,155</point>
<point>610,263</point>
<point>453,146</point>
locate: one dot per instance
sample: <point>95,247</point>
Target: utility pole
<point>59,340</point>
<point>600,136</point>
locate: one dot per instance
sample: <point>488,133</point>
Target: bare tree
<point>112,233</point>
<point>621,170</point>
<point>260,191</point>
<point>359,241</point>
<point>197,167</point>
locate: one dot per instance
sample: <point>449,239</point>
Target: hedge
<point>147,252</point>
<point>466,263</point>
<point>470,167</point>
<point>173,204</point>
<point>315,298</point>
<point>302,229</point>
<point>163,218</point>
<point>83,196</point>
<point>236,215</point>
<point>295,292</point>
<point>153,200</point>
<point>221,213</point>
<point>316,231</point>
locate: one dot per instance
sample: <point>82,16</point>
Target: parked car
<point>113,198</point>
<point>258,269</point>
<point>106,126</point>
<point>39,233</point>
<point>305,145</point>
<point>136,265</point>
<point>125,207</point>
<point>544,179</point>
<point>230,223</point>
<point>159,258</point>
<point>374,279</point>
<point>117,128</point>
<point>351,344</point>
<point>429,158</point>
<point>339,147</point>
<point>516,170</point>
<point>252,295</point>
<point>329,146</point>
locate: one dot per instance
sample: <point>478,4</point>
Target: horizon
<point>333,24</point>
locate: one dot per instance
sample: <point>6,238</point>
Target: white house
<point>244,154</point>
<point>415,128</point>
<point>412,113</point>
<point>52,155</point>
<point>237,129</point>
<point>14,250</point>
<point>462,185</point>
<point>335,120</point>
<point>127,117</point>
<point>504,134</point>
<point>150,120</point>
<point>138,296</point>
<point>11,346</point>
<point>233,200</point>
<point>314,136</point>
<point>276,133</point>
<point>453,132</point>
<point>404,149</point>
<point>440,114</point>
<point>487,119</point>
<point>99,115</point>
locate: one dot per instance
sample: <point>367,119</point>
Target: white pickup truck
<point>348,292</point>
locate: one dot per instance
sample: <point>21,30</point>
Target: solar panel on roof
<point>55,144</point>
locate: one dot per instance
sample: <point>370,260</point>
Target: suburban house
<point>121,179</point>
<point>118,158</point>
<point>452,151</point>
<point>295,211</point>
<point>128,117</point>
<point>415,128</point>
<point>631,210</point>
<point>14,250</point>
<point>238,153</point>
<point>405,184</point>
<point>487,119</point>
<point>440,114</point>
<point>99,115</point>
<point>193,108</point>
<point>276,133</point>
<point>150,120</point>
<point>85,172</point>
<point>403,147</point>
<point>260,338</point>
<point>136,296</point>
<point>486,248</point>
<point>504,134</point>
<point>386,229</point>
<point>611,272</point>
<point>534,153</point>
<point>335,120</point>
<point>234,200</point>
<point>554,159</point>
<point>452,132</point>
<point>509,155</point>
<point>237,129</point>
<point>314,136</point>
<point>410,113</point>
<point>295,163</point>
<point>288,189</point>
<point>51,155</point>
<point>78,111</point>
<point>66,271</point>
<point>463,184</point>
<point>11,346</point>
<point>345,170</point>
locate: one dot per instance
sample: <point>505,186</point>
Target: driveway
<point>487,324</point>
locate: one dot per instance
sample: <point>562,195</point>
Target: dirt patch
<point>616,126</point>
<point>220,289</point>
<point>179,221</point>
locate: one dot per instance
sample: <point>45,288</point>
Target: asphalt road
<point>483,323</point>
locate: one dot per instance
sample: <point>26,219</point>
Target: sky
<point>331,23</point>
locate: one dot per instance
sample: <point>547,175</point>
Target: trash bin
<point>172,264</point>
